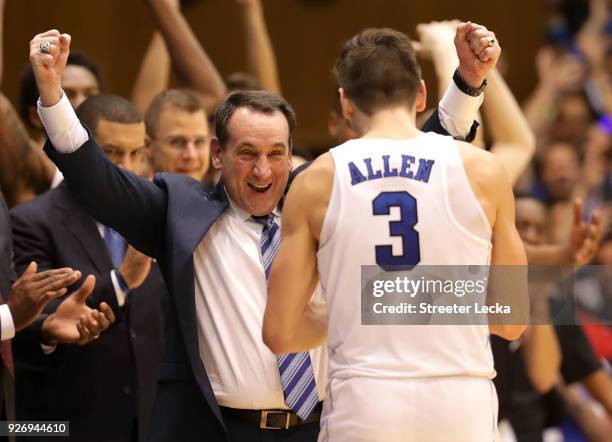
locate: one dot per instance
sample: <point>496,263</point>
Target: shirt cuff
<point>47,349</point>
<point>58,177</point>
<point>457,111</point>
<point>7,326</point>
<point>62,125</point>
<point>120,294</point>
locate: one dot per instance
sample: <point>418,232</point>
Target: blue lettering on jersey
<point>388,172</point>
<point>356,176</point>
<point>371,174</point>
<point>407,161</point>
<point>424,170</point>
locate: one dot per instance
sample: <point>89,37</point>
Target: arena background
<point>306,35</point>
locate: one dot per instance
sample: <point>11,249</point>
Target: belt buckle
<point>264,419</point>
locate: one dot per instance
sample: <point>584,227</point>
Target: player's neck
<point>396,123</point>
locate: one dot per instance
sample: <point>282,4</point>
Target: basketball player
<point>452,205</point>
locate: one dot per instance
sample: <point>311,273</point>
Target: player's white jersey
<point>400,202</point>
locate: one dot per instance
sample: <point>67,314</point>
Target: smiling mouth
<point>259,189</point>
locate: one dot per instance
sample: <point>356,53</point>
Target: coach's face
<point>256,161</point>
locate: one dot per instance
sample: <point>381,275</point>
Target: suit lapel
<point>196,214</point>
<point>85,231</point>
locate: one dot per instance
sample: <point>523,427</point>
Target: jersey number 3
<point>404,227</point>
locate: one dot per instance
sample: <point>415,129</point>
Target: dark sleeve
<point>26,343</point>
<point>28,352</point>
<point>31,336</point>
<point>32,242</point>
<point>130,204</point>
<point>577,357</point>
<point>7,273</point>
<point>433,124</point>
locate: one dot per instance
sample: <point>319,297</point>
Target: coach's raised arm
<point>115,197</point>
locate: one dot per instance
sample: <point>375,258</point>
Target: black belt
<point>271,419</point>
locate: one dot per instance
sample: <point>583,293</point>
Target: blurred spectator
<point>560,74</point>
<point>24,170</point>
<point>82,80</point>
<point>54,230</point>
<point>520,366</point>
<point>177,134</point>
<point>559,172</point>
<point>339,127</point>
<point>594,298</point>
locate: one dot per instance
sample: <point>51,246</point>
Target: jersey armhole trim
<point>329,225</point>
<point>479,209</point>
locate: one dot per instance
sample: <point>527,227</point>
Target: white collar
<point>239,213</point>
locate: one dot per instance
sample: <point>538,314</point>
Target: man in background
<point>55,230</point>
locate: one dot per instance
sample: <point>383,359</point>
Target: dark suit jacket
<point>30,337</point>
<point>102,386</point>
<point>167,219</point>
<point>7,276</point>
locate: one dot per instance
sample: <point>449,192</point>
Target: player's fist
<point>48,56</point>
<point>478,51</point>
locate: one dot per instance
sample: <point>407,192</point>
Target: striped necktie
<point>116,245</point>
<point>297,376</point>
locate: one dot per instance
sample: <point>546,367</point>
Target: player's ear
<point>348,108</point>
<point>421,97</point>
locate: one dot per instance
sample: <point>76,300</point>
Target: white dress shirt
<point>231,290</point>
<point>230,284</point>
<point>120,294</point>
<point>57,178</point>
<point>7,327</point>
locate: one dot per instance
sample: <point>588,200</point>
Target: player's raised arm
<point>508,279</point>
<point>130,204</point>
<point>154,73</point>
<point>189,60</point>
<point>260,52</point>
<point>292,321</point>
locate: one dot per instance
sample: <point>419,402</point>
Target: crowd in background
<point>555,383</point>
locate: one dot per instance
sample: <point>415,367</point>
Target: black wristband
<point>466,88</point>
